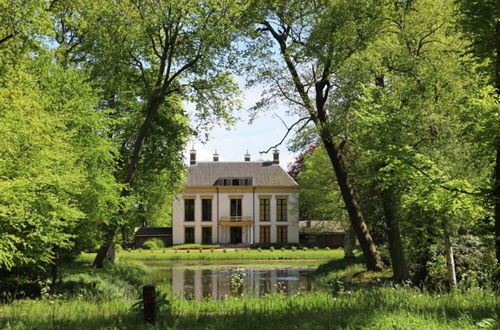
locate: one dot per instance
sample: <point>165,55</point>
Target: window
<point>235,207</point>
<point>189,235</point>
<point>206,210</point>
<point>189,210</point>
<point>281,209</point>
<point>265,234</point>
<point>265,209</point>
<point>206,235</point>
<point>234,181</point>
<point>282,234</point>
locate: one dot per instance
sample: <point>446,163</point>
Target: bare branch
<point>308,119</point>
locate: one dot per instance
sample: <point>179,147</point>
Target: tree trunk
<point>372,258</point>
<point>349,243</point>
<point>496,196</point>
<point>107,250</point>
<point>450,260</point>
<point>496,183</point>
<point>398,259</point>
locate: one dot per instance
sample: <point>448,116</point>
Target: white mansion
<point>236,203</point>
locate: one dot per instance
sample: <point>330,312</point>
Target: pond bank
<point>229,254</point>
<point>345,297</point>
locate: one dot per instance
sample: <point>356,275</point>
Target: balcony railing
<point>236,218</point>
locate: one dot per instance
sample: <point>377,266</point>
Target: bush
<point>153,243</point>
<point>474,264</point>
<point>224,250</point>
<point>259,249</point>
<point>304,248</point>
<point>282,249</point>
<point>294,248</point>
<point>271,248</point>
<point>315,248</point>
<point>327,248</point>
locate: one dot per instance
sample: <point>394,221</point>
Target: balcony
<point>236,220</point>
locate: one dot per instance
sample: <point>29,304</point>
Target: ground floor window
<point>282,234</point>
<point>189,235</point>
<point>206,235</point>
<point>265,234</point>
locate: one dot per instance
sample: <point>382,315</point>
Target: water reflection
<point>223,281</point>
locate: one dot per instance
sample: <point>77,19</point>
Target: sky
<point>264,132</point>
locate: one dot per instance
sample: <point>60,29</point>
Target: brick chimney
<point>216,156</point>
<point>276,157</point>
<point>192,157</point>
<point>247,157</point>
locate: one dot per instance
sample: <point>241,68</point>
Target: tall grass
<point>376,308</point>
<point>346,298</point>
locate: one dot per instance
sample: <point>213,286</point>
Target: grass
<point>346,298</point>
<point>223,254</point>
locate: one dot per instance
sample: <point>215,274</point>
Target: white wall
<point>250,208</point>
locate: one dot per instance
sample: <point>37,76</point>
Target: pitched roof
<point>321,226</point>
<point>263,173</point>
<point>153,231</point>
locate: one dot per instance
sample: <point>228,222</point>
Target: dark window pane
<point>235,207</point>
<point>206,235</point>
<point>189,210</point>
<point>265,209</point>
<point>206,210</point>
<point>281,209</point>
<point>189,235</point>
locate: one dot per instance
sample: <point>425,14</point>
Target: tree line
<point>400,98</point>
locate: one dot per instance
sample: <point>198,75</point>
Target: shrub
<point>259,249</point>
<point>283,249</point>
<point>315,248</point>
<point>224,250</point>
<point>474,264</point>
<point>200,249</point>
<point>327,248</point>
<point>294,248</point>
<point>153,243</point>
<point>271,248</point>
<point>188,251</point>
<point>304,248</point>
<point>212,250</point>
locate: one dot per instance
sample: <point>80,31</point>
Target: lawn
<point>347,297</point>
<point>224,254</point>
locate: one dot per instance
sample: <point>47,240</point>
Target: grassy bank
<point>224,254</point>
<point>374,308</point>
<point>346,298</point>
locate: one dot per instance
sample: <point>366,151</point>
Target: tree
<point>55,169</point>
<point>480,21</point>
<point>143,54</point>
<point>312,44</point>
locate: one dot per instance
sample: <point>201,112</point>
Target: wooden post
<point>149,300</point>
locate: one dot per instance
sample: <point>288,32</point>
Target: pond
<point>202,280</point>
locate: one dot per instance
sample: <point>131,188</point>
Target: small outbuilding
<point>321,233</point>
<point>142,234</point>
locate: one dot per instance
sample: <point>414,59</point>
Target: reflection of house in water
<point>199,283</point>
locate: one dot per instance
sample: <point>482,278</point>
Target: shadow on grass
<point>336,265</point>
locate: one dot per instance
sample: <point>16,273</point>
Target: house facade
<point>236,203</point>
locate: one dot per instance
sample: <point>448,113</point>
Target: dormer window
<point>234,182</point>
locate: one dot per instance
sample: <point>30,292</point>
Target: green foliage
<point>153,244</point>
<point>474,262</point>
<point>55,167</point>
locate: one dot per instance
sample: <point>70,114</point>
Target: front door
<point>235,235</point>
